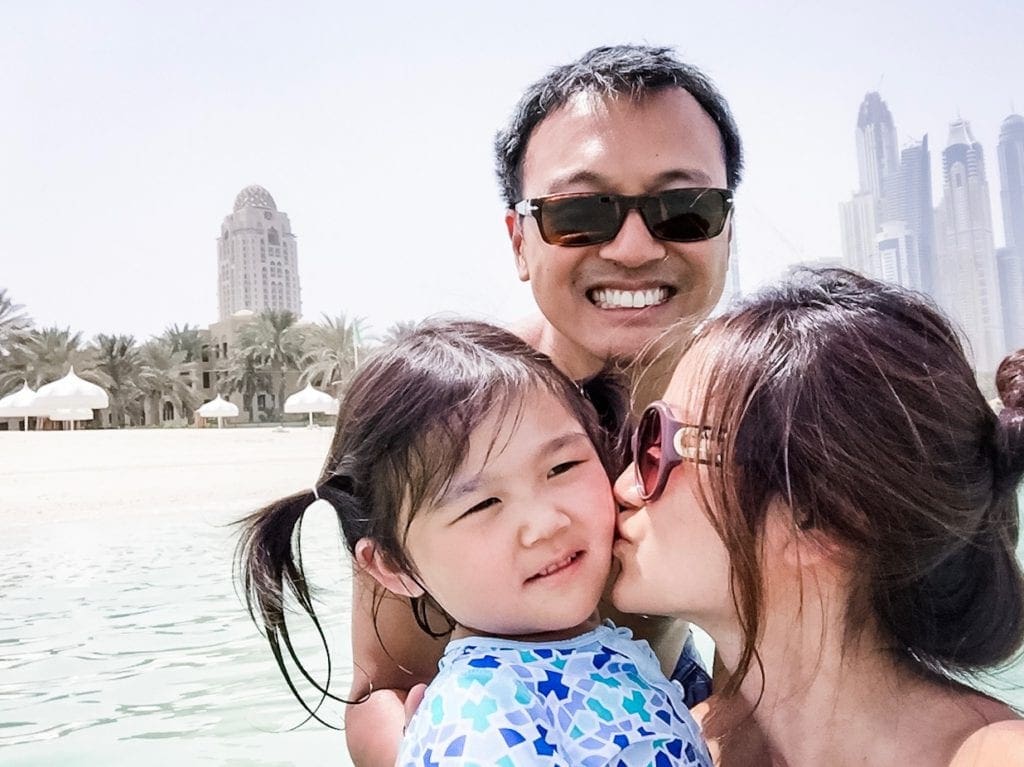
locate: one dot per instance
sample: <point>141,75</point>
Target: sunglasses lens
<point>688,215</point>
<point>580,220</point>
<point>648,451</point>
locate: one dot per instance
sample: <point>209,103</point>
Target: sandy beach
<point>115,471</point>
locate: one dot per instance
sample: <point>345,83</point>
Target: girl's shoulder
<point>999,744</point>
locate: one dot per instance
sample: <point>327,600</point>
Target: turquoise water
<point>123,642</point>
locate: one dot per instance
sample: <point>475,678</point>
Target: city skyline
<point>894,229</point>
<point>131,130</point>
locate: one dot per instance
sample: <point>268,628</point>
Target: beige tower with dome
<point>257,259</point>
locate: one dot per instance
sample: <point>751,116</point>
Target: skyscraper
<point>1010,259</point>
<point>909,200</point>
<point>257,266</point>
<point>877,165</point>
<point>968,282</point>
<point>857,225</point>
<point>877,153</point>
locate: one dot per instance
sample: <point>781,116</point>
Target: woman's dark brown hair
<point>403,429</point>
<point>853,402</point>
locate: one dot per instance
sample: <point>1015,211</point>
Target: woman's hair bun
<point>1010,439</point>
<point>1010,380</point>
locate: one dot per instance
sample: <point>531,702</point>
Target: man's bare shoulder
<point>530,329</point>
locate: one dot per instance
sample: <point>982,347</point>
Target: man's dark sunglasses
<point>661,443</point>
<point>676,215</point>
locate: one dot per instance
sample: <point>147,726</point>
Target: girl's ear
<point>370,559</point>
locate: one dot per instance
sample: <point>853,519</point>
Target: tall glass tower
<point>909,200</point>
<point>877,151</point>
<point>970,288</point>
<point>1011,258</point>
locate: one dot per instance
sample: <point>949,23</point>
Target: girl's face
<point>520,543</point>
<point>673,562</point>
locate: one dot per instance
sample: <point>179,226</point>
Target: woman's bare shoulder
<point>999,744</point>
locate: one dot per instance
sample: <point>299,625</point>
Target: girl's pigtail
<point>270,567</point>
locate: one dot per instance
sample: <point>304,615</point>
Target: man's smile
<point>613,298</point>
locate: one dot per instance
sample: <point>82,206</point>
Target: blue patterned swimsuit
<point>597,699</point>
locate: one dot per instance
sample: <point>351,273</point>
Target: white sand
<point>66,475</point>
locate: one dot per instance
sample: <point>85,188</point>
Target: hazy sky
<point>127,129</point>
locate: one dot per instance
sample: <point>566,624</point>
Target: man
<point>610,275</point>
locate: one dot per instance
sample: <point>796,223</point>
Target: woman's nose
<point>626,492</point>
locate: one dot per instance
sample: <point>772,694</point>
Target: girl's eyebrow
<point>472,484</point>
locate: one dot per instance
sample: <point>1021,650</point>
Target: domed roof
<point>254,196</point>
<point>1012,124</point>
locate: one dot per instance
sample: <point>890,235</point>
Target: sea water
<point>122,638</point>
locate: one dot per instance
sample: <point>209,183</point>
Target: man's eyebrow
<point>599,182</point>
<point>472,484</point>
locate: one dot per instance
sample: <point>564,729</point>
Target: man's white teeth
<point>556,566</point>
<point>608,298</point>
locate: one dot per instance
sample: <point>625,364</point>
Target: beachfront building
<point>257,259</point>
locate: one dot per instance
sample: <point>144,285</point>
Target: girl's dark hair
<point>402,432</point>
<point>853,402</point>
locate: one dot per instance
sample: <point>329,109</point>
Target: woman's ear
<point>371,560</point>
<point>799,545</point>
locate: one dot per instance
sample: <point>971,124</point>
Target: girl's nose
<point>543,522</point>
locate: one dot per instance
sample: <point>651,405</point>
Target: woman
<point>825,490</point>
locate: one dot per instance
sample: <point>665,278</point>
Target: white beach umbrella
<point>71,414</point>
<point>218,408</point>
<point>71,392</point>
<point>309,400</point>
<point>20,404</point>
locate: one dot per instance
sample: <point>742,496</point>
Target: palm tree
<point>332,350</point>
<point>398,331</point>
<point>185,339</point>
<point>273,341</point>
<point>44,355</point>
<point>117,370</point>
<point>159,379</point>
<point>247,376</point>
<point>13,323</point>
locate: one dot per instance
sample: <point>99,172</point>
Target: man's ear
<point>513,222</point>
<point>371,560</point>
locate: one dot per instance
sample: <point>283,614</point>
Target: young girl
<point>825,491</point>
<point>472,478</point>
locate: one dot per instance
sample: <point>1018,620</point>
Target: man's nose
<point>634,245</point>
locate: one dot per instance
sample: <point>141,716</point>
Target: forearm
<point>373,728</point>
<point>390,654</point>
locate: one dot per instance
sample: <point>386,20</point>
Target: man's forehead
<point>608,140</point>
